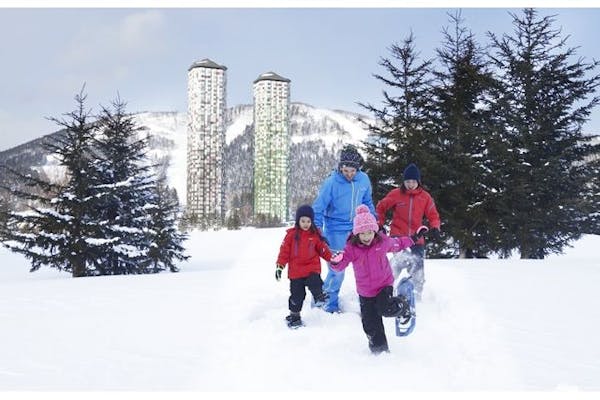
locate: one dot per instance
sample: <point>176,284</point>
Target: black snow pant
<point>372,323</point>
<point>298,291</point>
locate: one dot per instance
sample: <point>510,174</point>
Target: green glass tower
<point>271,147</point>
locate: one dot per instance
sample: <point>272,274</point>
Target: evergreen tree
<point>456,166</point>
<point>402,127</point>
<point>126,191</point>
<point>541,104</point>
<point>59,230</point>
<point>591,198</point>
<point>4,212</point>
<point>110,216</point>
<point>166,240</point>
<point>233,221</point>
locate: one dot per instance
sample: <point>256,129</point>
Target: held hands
<point>278,270</point>
<point>421,231</point>
<point>337,257</point>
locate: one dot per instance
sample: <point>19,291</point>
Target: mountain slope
<point>317,135</point>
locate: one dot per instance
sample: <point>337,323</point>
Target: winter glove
<point>337,257</point>
<point>382,229</point>
<point>435,234</point>
<point>278,270</point>
<point>419,233</point>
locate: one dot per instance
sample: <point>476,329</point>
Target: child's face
<point>366,237</point>
<point>304,223</point>
<point>411,184</point>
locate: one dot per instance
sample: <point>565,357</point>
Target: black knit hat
<point>304,211</point>
<point>411,172</point>
<point>350,157</point>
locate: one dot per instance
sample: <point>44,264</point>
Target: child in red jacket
<point>302,250</point>
<point>410,204</point>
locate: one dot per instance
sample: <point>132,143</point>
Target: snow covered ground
<point>218,325</point>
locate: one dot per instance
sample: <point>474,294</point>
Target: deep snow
<point>218,325</point>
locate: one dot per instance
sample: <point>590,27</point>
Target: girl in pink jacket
<point>367,250</point>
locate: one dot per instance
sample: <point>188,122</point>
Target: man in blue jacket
<point>344,190</point>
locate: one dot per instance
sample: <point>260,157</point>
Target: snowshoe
<point>405,323</point>
<point>294,321</point>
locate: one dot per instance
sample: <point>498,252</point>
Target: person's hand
<point>436,234</point>
<point>278,270</point>
<point>382,229</point>
<point>419,233</point>
<point>337,257</point>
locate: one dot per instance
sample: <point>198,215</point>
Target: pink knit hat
<point>364,221</point>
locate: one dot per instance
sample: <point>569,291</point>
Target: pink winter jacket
<point>372,269</point>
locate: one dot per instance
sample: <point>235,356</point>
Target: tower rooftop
<point>207,63</point>
<point>271,76</point>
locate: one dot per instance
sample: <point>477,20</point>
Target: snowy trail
<point>451,340</point>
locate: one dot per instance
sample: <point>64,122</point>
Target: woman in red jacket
<point>302,249</point>
<point>410,203</point>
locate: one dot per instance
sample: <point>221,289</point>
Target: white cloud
<point>137,29</point>
<point>113,45</point>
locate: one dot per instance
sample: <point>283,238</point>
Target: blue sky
<point>143,54</point>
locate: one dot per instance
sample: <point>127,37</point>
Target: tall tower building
<point>271,146</point>
<point>206,142</point>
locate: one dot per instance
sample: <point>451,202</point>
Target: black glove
<point>278,270</point>
<point>435,234</point>
<point>419,233</point>
<point>382,229</point>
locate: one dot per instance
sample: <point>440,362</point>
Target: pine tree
<point>234,221</point>
<point>401,131</point>
<point>455,165</point>
<point>591,199</point>
<point>59,229</point>
<point>111,216</point>
<point>4,212</point>
<point>126,191</point>
<point>541,104</point>
<point>166,240</point>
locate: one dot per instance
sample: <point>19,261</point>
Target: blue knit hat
<point>412,172</point>
<point>304,211</point>
<point>350,157</point>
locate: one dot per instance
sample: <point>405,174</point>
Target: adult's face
<point>348,172</point>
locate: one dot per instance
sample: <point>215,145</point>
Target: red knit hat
<point>364,221</point>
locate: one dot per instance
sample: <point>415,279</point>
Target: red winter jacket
<point>409,207</point>
<point>302,255</point>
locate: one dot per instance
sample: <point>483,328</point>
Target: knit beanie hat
<point>412,172</point>
<point>304,211</point>
<point>364,221</point>
<point>350,157</point>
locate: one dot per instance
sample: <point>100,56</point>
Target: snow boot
<point>294,321</point>
<point>321,300</point>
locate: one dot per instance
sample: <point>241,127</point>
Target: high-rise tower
<point>271,146</point>
<point>206,142</point>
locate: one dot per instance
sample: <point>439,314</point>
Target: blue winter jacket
<point>338,198</point>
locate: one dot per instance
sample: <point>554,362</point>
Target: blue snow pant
<point>412,260</point>
<point>334,279</point>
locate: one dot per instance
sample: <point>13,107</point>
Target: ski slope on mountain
<point>218,325</point>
